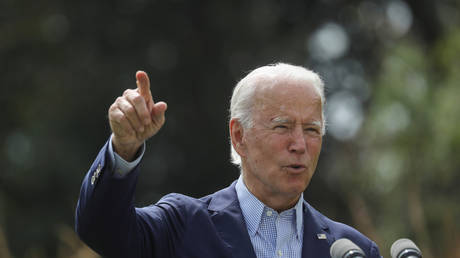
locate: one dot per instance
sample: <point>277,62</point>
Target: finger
<point>158,109</point>
<point>119,122</point>
<point>130,113</point>
<point>140,106</point>
<point>158,113</point>
<point>143,85</point>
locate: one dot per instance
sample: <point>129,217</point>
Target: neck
<point>276,201</point>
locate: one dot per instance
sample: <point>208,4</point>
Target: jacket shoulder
<point>180,202</point>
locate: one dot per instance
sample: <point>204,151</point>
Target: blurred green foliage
<point>390,159</point>
<point>412,142</point>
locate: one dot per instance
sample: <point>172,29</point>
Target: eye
<point>312,130</point>
<point>280,128</point>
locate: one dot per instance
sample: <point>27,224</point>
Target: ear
<point>236,136</point>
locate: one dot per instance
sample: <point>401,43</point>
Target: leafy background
<point>390,160</point>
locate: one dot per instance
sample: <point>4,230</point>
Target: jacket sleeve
<point>106,219</point>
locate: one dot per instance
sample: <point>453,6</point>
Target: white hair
<point>243,93</point>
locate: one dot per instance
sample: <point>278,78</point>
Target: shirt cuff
<point>120,166</point>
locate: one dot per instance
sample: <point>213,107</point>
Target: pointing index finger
<point>143,85</point>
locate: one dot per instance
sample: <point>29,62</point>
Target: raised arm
<point>106,219</point>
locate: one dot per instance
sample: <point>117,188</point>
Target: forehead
<point>285,96</point>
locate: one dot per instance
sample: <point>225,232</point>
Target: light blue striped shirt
<point>272,234</point>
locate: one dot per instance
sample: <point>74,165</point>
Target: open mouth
<point>295,167</point>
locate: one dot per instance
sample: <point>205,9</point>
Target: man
<point>276,129</point>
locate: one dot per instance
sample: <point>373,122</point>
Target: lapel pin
<point>321,236</point>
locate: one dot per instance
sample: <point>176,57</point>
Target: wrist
<point>127,151</point>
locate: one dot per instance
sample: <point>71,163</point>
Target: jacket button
<point>93,179</point>
<point>96,174</point>
<point>98,170</point>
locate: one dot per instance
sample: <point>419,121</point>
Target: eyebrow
<point>316,122</point>
<point>282,120</point>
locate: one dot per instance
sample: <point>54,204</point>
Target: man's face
<point>281,150</point>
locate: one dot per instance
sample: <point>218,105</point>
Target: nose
<point>298,141</point>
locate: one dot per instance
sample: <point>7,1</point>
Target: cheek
<point>314,146</point>
<point>275,142</point>
<point>268,146</point>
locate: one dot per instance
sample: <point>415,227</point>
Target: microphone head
<point>344,248</point>
<point>404,248</point>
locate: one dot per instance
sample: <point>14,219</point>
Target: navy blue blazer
<point>181,226</point>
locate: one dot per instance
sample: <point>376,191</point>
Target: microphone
<point>405,248</point>
<point>344,248</point>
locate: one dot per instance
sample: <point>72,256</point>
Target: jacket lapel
<point>229,222</point>
<point>316,237</point>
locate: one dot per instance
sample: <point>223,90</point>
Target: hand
<point>134,118</point>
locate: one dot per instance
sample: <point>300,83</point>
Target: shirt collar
<point>252,209</point>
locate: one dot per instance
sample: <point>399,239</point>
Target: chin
<point>296,189</point>
<point>300,188</point>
